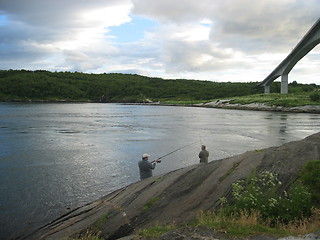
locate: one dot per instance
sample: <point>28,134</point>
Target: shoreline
<point>223,104</point>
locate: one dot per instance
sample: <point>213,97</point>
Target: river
<point>55,157</point>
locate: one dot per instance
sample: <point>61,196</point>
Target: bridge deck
<point>306,44</point>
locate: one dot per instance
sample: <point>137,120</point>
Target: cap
<point>145,155</point>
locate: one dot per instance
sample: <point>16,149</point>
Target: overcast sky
<point>216,40</point>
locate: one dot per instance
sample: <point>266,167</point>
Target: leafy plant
<point>311,178</point>
<point>258,208</point>
<point>258,193</point>
<point>315,97</point>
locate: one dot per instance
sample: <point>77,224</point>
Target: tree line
<point>42,85</point>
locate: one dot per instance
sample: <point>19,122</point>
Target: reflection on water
<point>55,157</point>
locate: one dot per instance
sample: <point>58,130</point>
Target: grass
<point>102,221</point>
<point>277,99</point>
<point>235,165</point>
<point>272,99</point>
<point>150,203</point>
<point>89,235</point>
<point>156,231</point>
<point>243,225</point>
<point>249,224</point>
<point>259,210</point>
<point>182,102</point>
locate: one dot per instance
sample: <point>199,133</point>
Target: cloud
<point>242,24</point>
<point>244,29</point>
<point>230,40</point>
<point>59,13</point>
<point>47,29</point>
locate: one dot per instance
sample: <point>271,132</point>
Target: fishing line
<point>200,139</point>
<point>175,150</point>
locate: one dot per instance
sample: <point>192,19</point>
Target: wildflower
<point>223,200</point>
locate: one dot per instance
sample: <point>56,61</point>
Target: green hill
<point>41,85</point>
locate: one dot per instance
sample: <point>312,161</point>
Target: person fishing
<point>203,155</point>
<point>146,167</point>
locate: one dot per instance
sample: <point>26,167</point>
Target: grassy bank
<point>237,227</point>
<point>273,99</point>
<point>283,100</point>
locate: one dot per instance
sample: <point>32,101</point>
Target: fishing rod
<point>157,160</point>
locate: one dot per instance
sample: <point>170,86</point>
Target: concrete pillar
<point>284,83</point>
<point>267,89</point>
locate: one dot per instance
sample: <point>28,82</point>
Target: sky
<point>214,40</point>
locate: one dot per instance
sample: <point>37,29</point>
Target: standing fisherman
<point>146,167</point>
<point>203,155</point>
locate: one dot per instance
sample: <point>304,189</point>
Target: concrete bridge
<point>306,44</point>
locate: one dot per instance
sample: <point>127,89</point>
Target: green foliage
<point>246,224</point>
<point>102,221</point>
<point>156,231</point>
<point>276,99</point>
<point>150,203</point>
<point>88,235</point>
<point>259,208</point>
<point>310,176</point>
<point>40,85</point>
<point>114,87</point>
<point>241,225</point>
<point>234,167</point>
<point>258,193</point>
<point>315,97</point>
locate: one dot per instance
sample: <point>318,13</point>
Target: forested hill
<point>40,85</point>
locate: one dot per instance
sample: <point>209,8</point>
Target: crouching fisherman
<point>146,167</point>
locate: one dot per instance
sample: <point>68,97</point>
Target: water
<point>56,157</point>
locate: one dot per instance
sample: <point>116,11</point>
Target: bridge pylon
<point>306,44</point>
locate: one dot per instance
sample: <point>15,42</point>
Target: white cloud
<point>230,40</point>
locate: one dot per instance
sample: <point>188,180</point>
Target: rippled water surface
<point>56,157</point>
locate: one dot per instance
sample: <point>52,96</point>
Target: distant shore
<point>224,104</point>
<point>261,107</point>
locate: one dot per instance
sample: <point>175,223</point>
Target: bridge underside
<point>306,44</point>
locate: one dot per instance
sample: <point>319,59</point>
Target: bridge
<point>306,44</point>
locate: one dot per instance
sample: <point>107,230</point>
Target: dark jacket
<point>146,168</point>
<point>203,155</point>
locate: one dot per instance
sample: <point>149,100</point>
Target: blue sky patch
<point>132,31</point>
<point>3,19</point>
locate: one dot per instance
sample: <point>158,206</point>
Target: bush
<point>258,193</point>
<point>311,178</point>
<point>315,97</point>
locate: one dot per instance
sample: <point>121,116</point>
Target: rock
<point>202,233</point>
<point>179,195</point>
<point>311,236</point>
<point>262,107</point>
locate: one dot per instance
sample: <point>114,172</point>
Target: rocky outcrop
<point>179,195</point>
<point>260,107</point>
